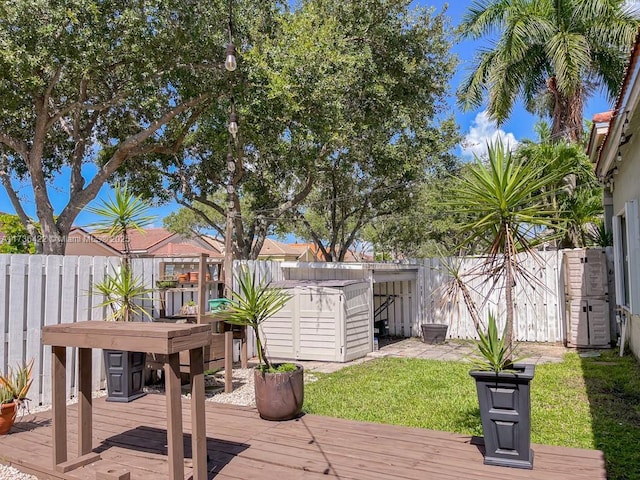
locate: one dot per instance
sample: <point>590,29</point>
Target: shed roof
<point>316,283</point>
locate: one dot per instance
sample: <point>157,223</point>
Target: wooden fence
<point>37,290</point>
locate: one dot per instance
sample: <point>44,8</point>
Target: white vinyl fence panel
<point>539,303</point>
<point>39,290</point>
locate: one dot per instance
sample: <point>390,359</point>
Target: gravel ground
<point>10,473</point>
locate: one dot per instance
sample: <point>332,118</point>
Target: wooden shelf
<point>198,291</point>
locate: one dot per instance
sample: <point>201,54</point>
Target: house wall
<point>626,188</point>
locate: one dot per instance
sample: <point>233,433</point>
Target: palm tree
<point>552,54</point>
<point>121,288</point>
<point>505,201</point>
<point>120,215</point>
<point>577,197</point>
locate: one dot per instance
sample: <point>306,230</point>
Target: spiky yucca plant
<point>255,302</point>
<point>503,199</point>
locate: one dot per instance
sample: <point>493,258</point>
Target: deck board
<point>242,446</point>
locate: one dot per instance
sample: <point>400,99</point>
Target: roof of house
<point>617,112</point>
<point>141,241</point>
<point>603,117</point>
<point>273,247</point>
<point>186,247</point>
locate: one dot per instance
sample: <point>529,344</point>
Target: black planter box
<point>125,375</point>
<point>505,410</point>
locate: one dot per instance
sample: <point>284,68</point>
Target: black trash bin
<point>434,333</point>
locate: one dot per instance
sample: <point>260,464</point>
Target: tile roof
<point>140,241</point>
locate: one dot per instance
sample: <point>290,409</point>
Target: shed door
<point>599,332</point>
<point>318,335</point>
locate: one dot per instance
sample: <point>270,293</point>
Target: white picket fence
<point>38,290</point>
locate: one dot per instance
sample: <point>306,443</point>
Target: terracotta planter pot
<point>183,277</point>
<point>279,396</point>
<point>193,277</point>
<point>8,413</point>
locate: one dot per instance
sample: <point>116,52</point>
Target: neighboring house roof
<point>183,248</point>
<point>142,242</point>
<point>80,236</point>
<point>273,247</point>
<point>153,242</point>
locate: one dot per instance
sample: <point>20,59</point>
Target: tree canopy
<point>551,54</point>
<point>89,86</point>
<point>341,113</point>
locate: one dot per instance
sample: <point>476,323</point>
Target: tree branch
<point>123,152</point>
<point>13,197</point>
<point>16,145</point>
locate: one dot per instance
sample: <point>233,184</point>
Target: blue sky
<point>474,125</point>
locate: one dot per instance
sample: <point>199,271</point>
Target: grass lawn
<point>581,402</point>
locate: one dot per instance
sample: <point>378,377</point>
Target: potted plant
<point>13,394</point>
<point>122,291</point>
<point>168,281</point>
<point>503,199</point>
<point>279,387</point>
<point>503,387</point>
<point>189,308</point>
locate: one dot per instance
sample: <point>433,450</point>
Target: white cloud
<point>481,131</point>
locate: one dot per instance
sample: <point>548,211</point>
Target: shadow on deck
<point>242,446</point>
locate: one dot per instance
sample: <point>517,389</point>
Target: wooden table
<point>163,338</point>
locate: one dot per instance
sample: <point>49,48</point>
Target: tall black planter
<point>505,410</point>
<point>125,375</point>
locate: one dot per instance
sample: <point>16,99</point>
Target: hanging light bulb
<point>233,124</point>
<point>230,60</point>
<point>231,165</point>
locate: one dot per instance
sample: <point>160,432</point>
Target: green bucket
<point>216,304</point>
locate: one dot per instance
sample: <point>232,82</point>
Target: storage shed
<point>586,297</point>
<point>327,320</point>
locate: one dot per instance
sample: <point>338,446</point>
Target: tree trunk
<point>52,240</point>
<point>508,292</point>
<point>567,114</point>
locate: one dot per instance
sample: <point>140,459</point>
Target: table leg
<point>59,404</point>
<point>85,418</point>
<point>243,352</point>
<point>198,425</point>
<point>174,417</point>
<point>228,362</point>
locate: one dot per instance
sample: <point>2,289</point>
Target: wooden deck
<point>242,446</point>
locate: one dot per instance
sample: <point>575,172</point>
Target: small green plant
<point>493,352</point>
<point>5,395</point>
<point>281,368</point>
<point>121,290</point>
<point>16,384</point>
<point>600,236</point>
<point>255,303</point>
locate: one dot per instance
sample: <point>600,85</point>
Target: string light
<point>233,125</point>
<point>230,62</point>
